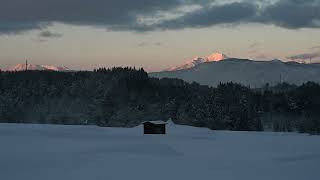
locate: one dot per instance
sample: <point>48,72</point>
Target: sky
<point>86,34</point>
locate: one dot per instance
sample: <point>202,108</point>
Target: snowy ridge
<point>56,68</point>
<point>215,57</point>
<point>31,67</point>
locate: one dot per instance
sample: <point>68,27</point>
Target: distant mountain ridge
<point>31,67</point>
<point>245,71</point>
<point>199,60</point>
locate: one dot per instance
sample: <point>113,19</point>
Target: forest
<point>125,97</point>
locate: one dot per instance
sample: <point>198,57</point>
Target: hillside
<point>125,97</point>
<point>247,72</point>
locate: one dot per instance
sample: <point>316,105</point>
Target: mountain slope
<point>199,60</point>
<point>31,67</point>
<point>246,72</point>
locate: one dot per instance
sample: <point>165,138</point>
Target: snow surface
<point>56,152</point>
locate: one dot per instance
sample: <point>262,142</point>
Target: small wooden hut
<point>154,127</point>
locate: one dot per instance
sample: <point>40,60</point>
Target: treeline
<point>125,97</point>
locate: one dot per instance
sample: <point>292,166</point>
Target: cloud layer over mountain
<point>147,15</point>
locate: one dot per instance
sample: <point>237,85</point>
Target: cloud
<point>49,34</point>
<point>213,15</point>
<point>254,45</point>
<point>305,56</point>
<point>117,14</point>
<point>130,15</point>
<point>315,47</point>
<point>39,40</point>
<point>7,27</point>
<point>144,44</point>
<point>292,14</point>
<point>157,44</point>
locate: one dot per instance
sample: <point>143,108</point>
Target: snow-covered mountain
<point>22,67</point>
<point>216,57</point>
<point>199,60</point>
<point>244,71</point>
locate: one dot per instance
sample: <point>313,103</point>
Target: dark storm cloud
<point>109,13</point>
<point>81,11</point>
<point>212,15</point>
<point>304,56</point>
<point>292,14</point>
<point>21,15</point>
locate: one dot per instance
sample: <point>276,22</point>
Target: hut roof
<point>155,122</point>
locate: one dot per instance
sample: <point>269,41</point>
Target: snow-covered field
<point>55,152</point>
